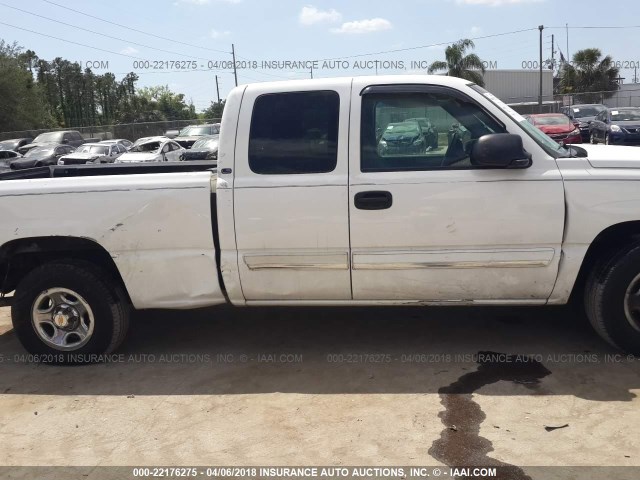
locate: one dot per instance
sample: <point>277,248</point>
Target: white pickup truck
<point>398,190</point>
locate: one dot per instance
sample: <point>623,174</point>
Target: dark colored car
<point>582,115</point>
<point>7,157</point>
<point>206,148</point>
<point>189,135</point>
<point>403,138</point>
<point>557,126</point>
<point>123,142</point>
<point>617,126</point>
<point>428,130</point>
<point>93,153</point>
<point>15,143</point>
<point>63,137</point>
<point>42,155</point>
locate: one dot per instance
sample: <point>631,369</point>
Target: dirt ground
<point>361,386</point>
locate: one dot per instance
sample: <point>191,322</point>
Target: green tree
<point>172,105</point>
<point>22,103</point>
<point>589,72</point>
<point>214,111</point>
<point>461,64</point>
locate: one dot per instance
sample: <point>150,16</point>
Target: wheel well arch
<point>18,257</point>
<point>606,243</point>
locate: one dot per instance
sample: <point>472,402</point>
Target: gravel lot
<point>361,386</point>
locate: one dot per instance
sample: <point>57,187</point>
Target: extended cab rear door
<point>427,225</point>
<point>290,191</point>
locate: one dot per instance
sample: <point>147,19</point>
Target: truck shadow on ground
<point>340,351</point>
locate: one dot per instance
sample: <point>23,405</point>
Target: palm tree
<point>589,72</point>
<point>459,64</point>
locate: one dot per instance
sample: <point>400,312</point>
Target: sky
<point>185,43</point>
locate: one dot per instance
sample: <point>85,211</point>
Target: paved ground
<point>329,387</point>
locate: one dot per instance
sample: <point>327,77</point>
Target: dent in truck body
<point>157,229</point>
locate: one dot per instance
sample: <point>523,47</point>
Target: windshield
<point>146,147</point>
<point>48,137</point>
<point>552,120</point>
<point>40,152</point>
<point>8,145</point>
<point>625,115</point>
<point>206,143</point>
<point>401,129</point>
<point>550,146</point>
<point>98,149</point>
<point>197,131</point>
<point>587,111</point>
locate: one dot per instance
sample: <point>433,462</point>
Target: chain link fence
<point>130,131</point>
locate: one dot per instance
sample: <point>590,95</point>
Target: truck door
<point>426,225</point>
<point>290,192</point>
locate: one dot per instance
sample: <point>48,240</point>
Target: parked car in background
<point>557,126</point>
<point>14,143</point>
<point>127,144</point>
<point>172,133</point>
<point>153,149</point>
<point>428,130</point>
<point>617,126</point>
<point>404,138</point>
<point>6,158</point>
<point>93,153</point>
<point>189,135</point>
<point>42,155</point>
<point>206,148</point>
<point>582,115</point>
<point>64,137</point>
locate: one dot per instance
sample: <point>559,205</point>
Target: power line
<point>101,34</point>
<point>69,41</point>
<point>173,40</point>
<point>595,27</point>
<point>440,44</point>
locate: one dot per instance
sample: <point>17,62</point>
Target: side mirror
<point>500,150</point>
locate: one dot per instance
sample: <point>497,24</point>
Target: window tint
<point>420,131</point>
<point>294,133</point>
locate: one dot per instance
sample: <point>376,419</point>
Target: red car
<point>558,126</point>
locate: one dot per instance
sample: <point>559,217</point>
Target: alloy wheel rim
<point>62,319</point>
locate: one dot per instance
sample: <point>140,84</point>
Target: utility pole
<point>217,89</point>
<point>568,55</point>
<point>553,53</point>
<point>541,28</point>
<point>235,72</point>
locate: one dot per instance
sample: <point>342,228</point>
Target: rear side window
<point>294,133</point>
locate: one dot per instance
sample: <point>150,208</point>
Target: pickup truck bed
<point>156,228</point>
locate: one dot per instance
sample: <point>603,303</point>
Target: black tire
<point>605,298</point>
<point>106,299</point>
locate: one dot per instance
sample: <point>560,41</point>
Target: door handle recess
<point>373,200</point>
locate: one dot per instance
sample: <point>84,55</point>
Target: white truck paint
<point>451,236</point>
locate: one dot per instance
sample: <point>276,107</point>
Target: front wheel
<point>69,312</point>
<point>612,299</point>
